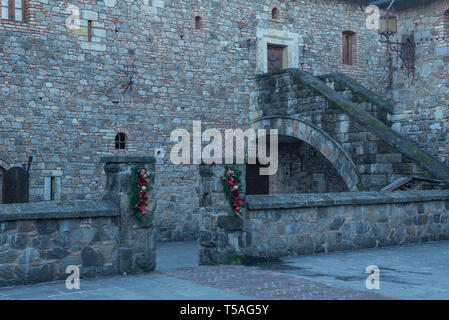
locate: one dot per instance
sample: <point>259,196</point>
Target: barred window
<point>120,141</point>
<point>12,10</point>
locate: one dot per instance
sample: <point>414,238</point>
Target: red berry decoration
<point>232,184</point>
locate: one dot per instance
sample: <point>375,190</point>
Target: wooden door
<point>275,58</point>
<point>15,185</point>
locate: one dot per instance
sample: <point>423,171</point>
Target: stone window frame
<point>291,41</point>
<point>271,8</point>
<point>5,165</point>
<point>355,67</point>
<point>52,184</point>
<point>204,22</point>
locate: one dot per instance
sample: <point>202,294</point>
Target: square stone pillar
<point>221,230</point>
<point>137,237</point>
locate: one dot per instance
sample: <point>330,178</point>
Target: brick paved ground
<point>252,282</point>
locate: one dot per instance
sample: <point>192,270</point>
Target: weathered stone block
<point>47,226</point>
<point>92,257</point>
<point>8,256</point>
<point>18,241</point>
<point>57,253</point>
<point>125,260</point>
<point>89,15</point>
<point>230,223</point>
<point>41,242</point>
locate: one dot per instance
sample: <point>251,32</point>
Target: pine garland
<point>232,184</point>
<point>141,183</point>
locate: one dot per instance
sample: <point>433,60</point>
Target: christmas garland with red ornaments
<point>141,186</point>
<point>232,184</point>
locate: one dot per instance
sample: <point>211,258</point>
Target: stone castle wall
<point>62,99</point>
<point>421,106</point>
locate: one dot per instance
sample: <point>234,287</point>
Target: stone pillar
<point>221,230</point>
<point>137,238</point>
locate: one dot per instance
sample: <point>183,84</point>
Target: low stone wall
<point>279,225</point>
<point>295,224</point>
<point>39,240</point>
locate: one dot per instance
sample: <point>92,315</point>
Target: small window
<point>198,22</point>
<point>89,30</point>
<point>120,141</point>
<point>12,10</point>
<point>275,14</point>
<point>348,47</point>
<point>52,188</point>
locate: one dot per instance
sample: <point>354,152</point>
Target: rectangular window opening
<point>348,46</point>
<point>12,10</point>
<point>52,188</point>
<point>89,30</point>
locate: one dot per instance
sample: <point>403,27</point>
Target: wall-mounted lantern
<point>388,28</point>
<point>388,24</point>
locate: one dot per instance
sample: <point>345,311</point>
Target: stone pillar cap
<point>129,158</point>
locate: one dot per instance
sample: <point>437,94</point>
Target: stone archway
<point>319,140</point>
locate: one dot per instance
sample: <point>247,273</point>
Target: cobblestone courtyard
<point>406,272</point>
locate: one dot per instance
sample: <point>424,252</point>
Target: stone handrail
<point>289,201</point>
<point>375,126</point>
<point>360,90</point>
<point>58,210</point>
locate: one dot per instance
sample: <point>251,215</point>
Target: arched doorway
<point>303,169</point>
<point>325,163</point>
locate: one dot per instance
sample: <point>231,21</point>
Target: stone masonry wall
<point>284,225</point>
<point>62,100</point>
<point>101,237</point>
<point>38,241</point>
<point>302,169</point>
<point>273,226</point>
<point>421,106</point>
